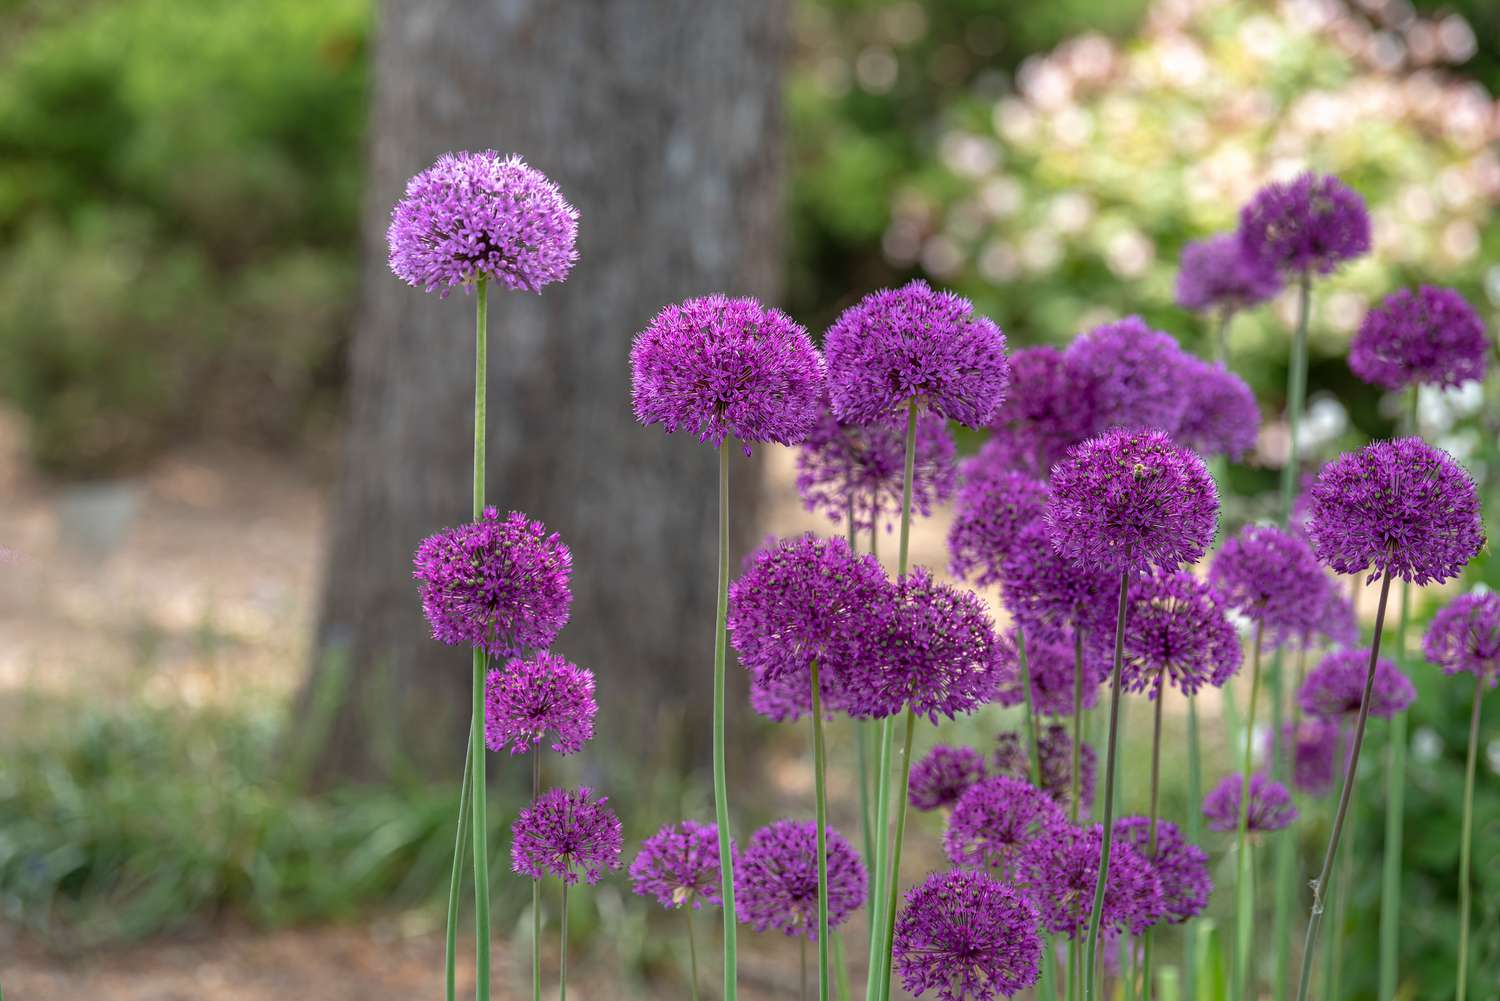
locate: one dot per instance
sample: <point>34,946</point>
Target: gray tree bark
<point>660,120</point>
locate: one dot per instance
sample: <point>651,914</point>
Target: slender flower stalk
<point>721,783</point>
<point>562,963</point>
<point>1466,847</point>
<point>1161,698</point>
<point>820,782</point>
<point>692,938</point>
<point>450,938</point>
<point>1244,889</point>
<point>1091,949</point>
<point>478,814</point>
<point>1195,836</point>
<point>862,738</point>
<point>536,891</point>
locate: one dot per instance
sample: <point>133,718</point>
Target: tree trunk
<point>660,120</point>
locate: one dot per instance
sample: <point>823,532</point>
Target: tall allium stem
<point>1320,885</point>
<point>862,751</point>
<point>692,938</point>
<point>450,938</point>
<point>820,784</point>
<point>1221,335</point>
<point>721,784</point>
<point>478,814</point>
<point>1296,393</point>
<point>562,962</point>
<point>1161,696</point>
<point>1195,836</point>
<point>1244,890</point>
<point>1035,750</point>
<point>536,890</point>
<point>882,828</point>
<point>1091,949</point>
<point>1075,790</point>
<point>1465,845</point>
<point>893,891</point>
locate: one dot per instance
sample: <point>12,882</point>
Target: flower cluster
<point>1051,666</point>
<point>1313,223</point>
<point>1465,636</point>
<point>1055,749</point>
<point>1061,868</point>
<point>1271,806</point>
<point>1176,630</point>
<point>678,865</point>
<point>566,834</point>
<point>776,879</point>
<point>1427,337</point>
<point>1041,418</point>
<point>1127,376</point>
<point>858,470</point>
<point>1312,743</point>
<point>994,820</point>
<point>1221,416</point>
<point>968,936</point>
<point>1272,577</point>
<point>1218,274</point>
<point>1334,688</point>
<point>1181,868</point>
<point>994,505</point>
<point>1053,597</point>
<point>940,778</point>
<point>530,697</point>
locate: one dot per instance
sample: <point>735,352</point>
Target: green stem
<point>1195,836</point>
<point>1076,789</point>
<point>536,890</point>
<point>1221,336</point>
<point>904,552</point>
<point>562,962</point>
<point>1333,981</point>
<point>450,937</point>
<point>819,782</point>
<point>862,752</point>
<point>1296,394</point>
<point>1031,742</point>
<point>840,968</point>
<point>1465,845</point>
<point>893,888</point>
<point>721,784</point>
<point>1161,697</point>
<point>692,953</point>
<point>882,826</point>
<point>478,814</point>
<point>1244,890</point>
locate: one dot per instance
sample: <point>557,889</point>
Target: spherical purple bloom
<point>843,466</point>
<point>1050,665</point>
<point>1052,596</point>
<point>1176,630</point>
<point>1061,868</point>
<point>1401,507</point>
<point>967,936</point>
<point>1430,336</point>
<point>1217,273</point>
<point>501,585</point>
<point>679,864</point>
<point>1042,417</point>
<point>1271,806</point>
<point>1126,375</point>
<point>473,216</point>
<point>1335,687</point>
<point>1465,636</point>
<point>1337,623</point>
<point>719,367</point>
<point>1312,745</point>
<point>788,698</point>
<point>530,697</point>
<point>914,343</point>
<point>993,821</point>
<point>1312,223</point>
<point>567,834</point>
<point>1130,500</point>
<point>993,506</point>
<point>1221,417</point>
<point>1055,748</point>
<point>776,879</point>
<point>942,775</point>
<point>1181,868</point>
<point>1272,577</point>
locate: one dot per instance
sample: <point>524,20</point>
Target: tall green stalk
<point>536,890</point>
<point>862,751</point>
<point>820,785</point>
<point>1195,836</point>
<point>478,814</point>
<point>1075,787</point>
<point>692,938</point>
<point>721,784</point>
<point>1465,845</point>
<point>893,889</point>
<point>562,962</point>
<point>1244,891</point>
<point>1034,755</point>
<point>450,938</point>
<point>1161,697</point>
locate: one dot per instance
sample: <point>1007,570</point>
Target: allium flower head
<point>788,697</point>
<point>1217,273</point>
<point>1050,665</point>
<point>1271,806</point>
<point>1335,687</point>
<point>1271,577</point>
<point>1311,744</point>
<point>1061,869</point>
<point>1401,507</point>
<point>1182,868</point>
<point>967,936</point>
<point>1465,636</point>
<point>567,834</point>
<point>1430,336</point>
<point>776,879</point>
<point>993,821</point>
<point>1055,748</point>
<point>718,367</point>
<point>914,343</point>
<point>499,584</point>
<point>1131,500</point>
<point>1126,374</point>
<point>679,864</point>
<point>1176,630</point>
<point>844,466</point>
<point>473,216</point>
<point>531,697</point>
<point>993,506</point>
<point>1221,417</point>
<point>941,777</point>
<point>1337,623</point>
<point>1041,417</point>
<point>1052,596</point>
<point>1312,223</point>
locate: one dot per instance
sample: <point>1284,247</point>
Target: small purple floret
<point>1061,870</point>
<point>1313,746</point>
<point>1055,748</point>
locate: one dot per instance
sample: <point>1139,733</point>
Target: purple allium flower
<point>967,936</point>
<point>1061,868</point>
<point>1127,376</point>
<point>934,650</point>
<point>1401,507</point>
<point>1465,636</point>
<point>567,834</point>
<point>841,466</point>
<point>993,506</point>
<point>1176,630</point>
<point>1050,665</point>
<point>776,879</point>
<point>1041,418</point>
<point>1216,273</point>
<point>719,367</point>
<point>788,698</point>
<point>497,584</point>
<point>1055,748</point>
<point>679,864</point>
<point>1271,806</point>
<point>1430,336</point>
<point>1221,417</point>
<point>1337,624</point>
<point>993,821</point>
<point>530,697</point>
<point>1131,500</point>
<point>1273,578</point>
<point>1051,596</point>
<point>1311,743</point>
<point>914,343</point>
<point>1334,688</point>
<point>941,777</point>
<point>1312,223</point>
<point>1182,868</point>
<point>480,215</point>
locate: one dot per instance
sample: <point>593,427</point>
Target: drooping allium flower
<point>993,506</point>
<point>1465,636</point>
<point>915,343</point>
<point>567,834</point>
<point>1050,665</point>
<point>1334,688</point>
<point>530,697</point>
<point>678,865</point>
<point>1061,869</point>
<point>718,367</point>
<point>967,936</point>
<point>1218,274</point>
<point>776,879</point>
<point>1041,417</point>
<point>1055,749</point>
<point>473,216</point>
<point>1221,416</point>
<point>1311,744</point>
<point>1176,630</point>
<point>1052,596</point>
<point>942,776</point>
<point>1427,337</point>
<point>1126,376</point>
<point>1401,507</point>
<point>1313,223</point>
<point>843,466</point>
<point>993,821</point>
<point>1130,500</point>
<point>499,584</point>
<point>1271,806</point>
<point>1272,577</point>
<point>934,651</point>
<point>1182,868</point>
